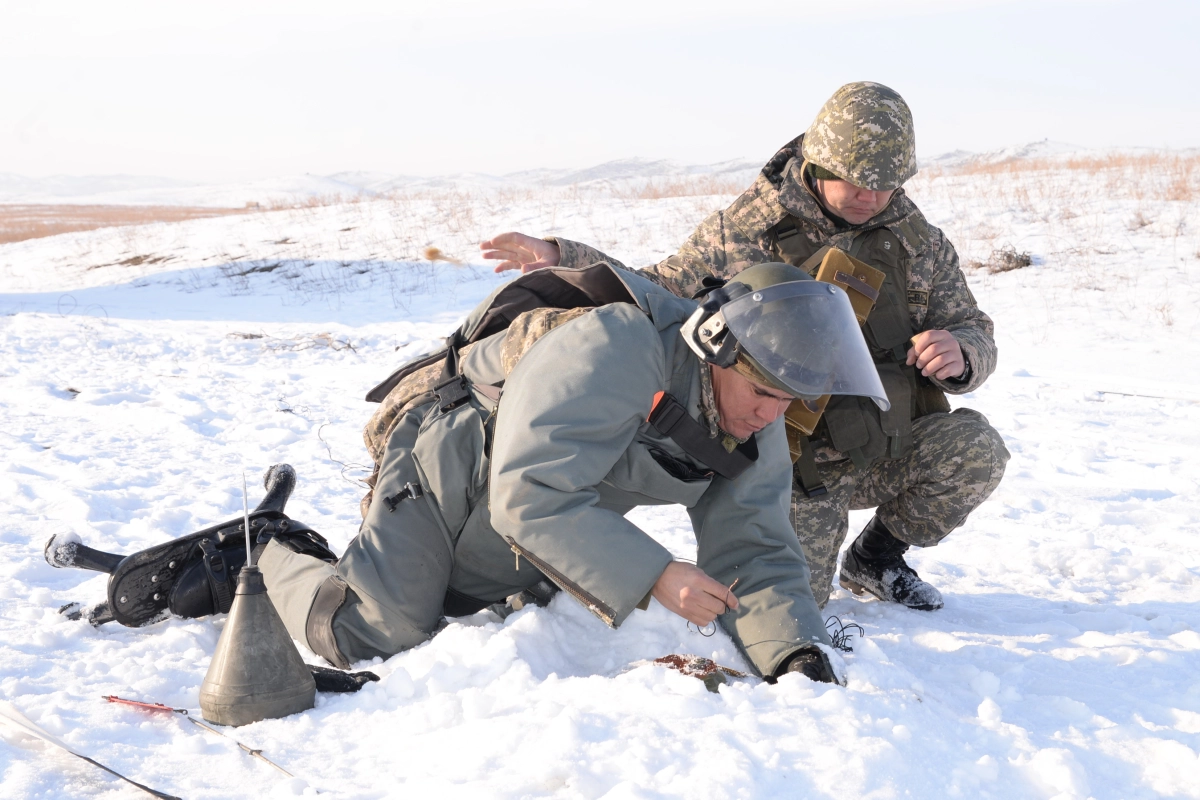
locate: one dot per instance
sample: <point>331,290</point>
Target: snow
<point>1064,664</point>
<point>624,174</point>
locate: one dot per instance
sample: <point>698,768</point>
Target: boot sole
<point>859,589</point>
<point>856,588</point>
<point>140,585</point>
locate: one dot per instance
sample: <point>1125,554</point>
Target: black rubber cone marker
<point>256,672</point>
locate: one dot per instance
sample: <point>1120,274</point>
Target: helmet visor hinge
<point>706,332</point>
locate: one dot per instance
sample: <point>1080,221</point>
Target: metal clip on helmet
<point>706,332</point>
<point>801,335</point>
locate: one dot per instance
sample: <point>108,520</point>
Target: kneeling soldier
<point>923,468</point>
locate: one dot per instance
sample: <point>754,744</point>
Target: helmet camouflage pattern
<point>864,135</point>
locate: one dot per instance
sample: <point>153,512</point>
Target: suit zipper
<point>600,609</point>
<point>593,604</point>
<point>493,418</point>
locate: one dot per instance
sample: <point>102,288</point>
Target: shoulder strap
<point>670,418</point>
<point>552,287</point>
<point>451,388</point>
<point>805,470</point>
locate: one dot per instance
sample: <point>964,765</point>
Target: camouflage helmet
<point>864,135</point>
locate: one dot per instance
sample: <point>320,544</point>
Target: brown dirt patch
<point>21,222</point>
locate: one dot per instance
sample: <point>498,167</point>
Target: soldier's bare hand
<point>517,251</point>
<point>686,590</point>
<point>937,354</point>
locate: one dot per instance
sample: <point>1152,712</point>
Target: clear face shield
<point>804,333</point>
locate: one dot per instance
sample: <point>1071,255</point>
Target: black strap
<point>671,419</point>
<point>220,583</point>
<point>452,388</point>
<point>805,470</point>
<point>457,604</point>
<point>452,394</point>
<point>450,365</point>
<point>409,491</point>
<point>708,284</point>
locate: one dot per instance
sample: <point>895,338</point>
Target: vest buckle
<point>452,394</point>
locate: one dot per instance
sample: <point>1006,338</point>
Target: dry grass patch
<point>1153,176</point>
<point>21,222</point>
<point>313,201</point>
<point>1006,259</point>
<point>694,186</point>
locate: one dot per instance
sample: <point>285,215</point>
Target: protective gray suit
<point>537,485</point>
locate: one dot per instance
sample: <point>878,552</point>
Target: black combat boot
<point>812,663</point>
<point>193,575</point>
<point>208,578</point>
<point>540,595</point>
<point>875,563</point>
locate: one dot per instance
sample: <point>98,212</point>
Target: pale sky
<point>220,91</point>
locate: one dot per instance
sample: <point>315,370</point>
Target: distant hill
<point>630,175</point>
<point>68,187</point>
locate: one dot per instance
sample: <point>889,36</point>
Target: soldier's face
<point>852,203</point>
<point>746,407</point>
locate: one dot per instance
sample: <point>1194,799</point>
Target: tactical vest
<point>853,425</point>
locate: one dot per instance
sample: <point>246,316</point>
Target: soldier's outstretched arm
<point>520,251</point>
<point>714,248</point>
<point>524,252</point>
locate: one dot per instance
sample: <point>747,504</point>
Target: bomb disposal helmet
<point>782,328</point>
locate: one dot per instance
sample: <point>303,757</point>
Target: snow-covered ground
<point>1066,662</point>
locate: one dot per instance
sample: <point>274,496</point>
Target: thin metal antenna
<point>246,518</point>
<point>14,718</point>
<point>112,698</point>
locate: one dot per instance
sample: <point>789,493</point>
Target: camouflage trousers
<point>956,462</point>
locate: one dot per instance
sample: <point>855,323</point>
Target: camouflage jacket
<point>748,232</point>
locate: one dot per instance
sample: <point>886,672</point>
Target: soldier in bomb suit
<point>922,467</point>
<point>506,463</point>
